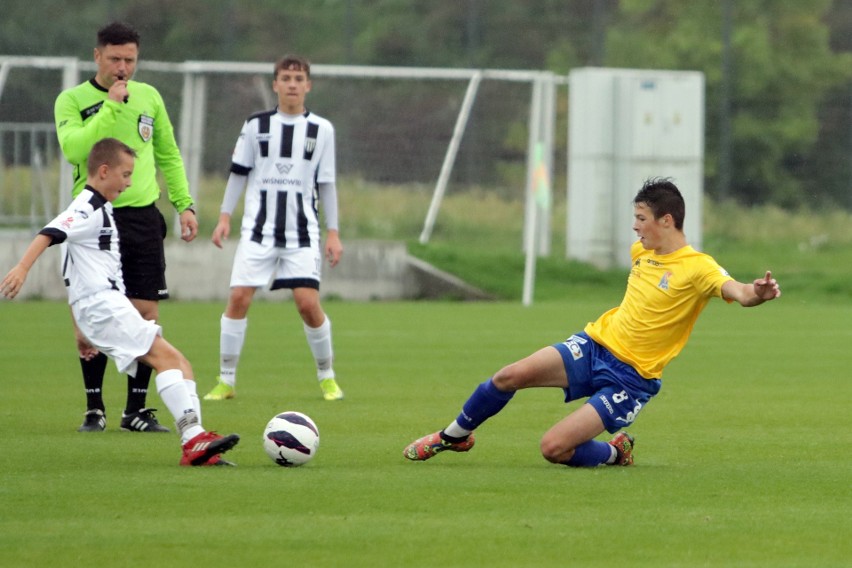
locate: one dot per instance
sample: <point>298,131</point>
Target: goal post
<point>435,130</point>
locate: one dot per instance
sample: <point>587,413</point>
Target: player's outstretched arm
<point>749,295</point>
<point>14,280</point>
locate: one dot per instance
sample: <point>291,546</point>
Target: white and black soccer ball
<point>291,439</point>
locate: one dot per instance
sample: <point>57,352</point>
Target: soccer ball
<point>291,439</point>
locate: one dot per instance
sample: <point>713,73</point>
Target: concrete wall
<point>368,270</point>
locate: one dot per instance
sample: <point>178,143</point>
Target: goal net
<point>410,135</point>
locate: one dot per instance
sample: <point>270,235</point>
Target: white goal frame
<point>540,143</point>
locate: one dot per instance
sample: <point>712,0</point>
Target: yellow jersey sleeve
<point>665,294</point>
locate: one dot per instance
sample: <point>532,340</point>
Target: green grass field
<point>742,460</point>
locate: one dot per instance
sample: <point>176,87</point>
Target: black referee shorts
<point>141,232</point>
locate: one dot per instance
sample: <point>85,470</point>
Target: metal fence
<point>29,175</point>
<point>433,128</point>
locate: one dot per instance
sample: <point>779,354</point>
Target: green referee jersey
<point>85,114</point>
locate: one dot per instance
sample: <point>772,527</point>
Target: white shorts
<point>111,323</point>
<point>256,264</point>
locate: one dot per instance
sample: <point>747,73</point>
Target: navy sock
<point>590,454</point>
<point>485,402</point>
<point>93,380</point>
<point>137,389</point>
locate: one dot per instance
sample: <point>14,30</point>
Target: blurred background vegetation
<point>778,113</point>
<point>778,73</point>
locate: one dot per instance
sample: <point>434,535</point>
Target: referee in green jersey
<point>110,104</point>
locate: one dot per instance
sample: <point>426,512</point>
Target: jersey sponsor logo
<point>91,111</point>
<point>607,404</point>
<point>311,133</point>
<point>66,223</point>
<point>664,281</point>
<point>282,181</point>
<point>573,344</point>
<point>146,127</point>
<point>636,270</point>
<point>283,168</point>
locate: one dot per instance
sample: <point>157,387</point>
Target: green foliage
<point>790,73</point>
<point>783,68</point>
<point>735,463</point>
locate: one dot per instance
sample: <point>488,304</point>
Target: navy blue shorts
<point>614,388</point>
<point>141,232</point>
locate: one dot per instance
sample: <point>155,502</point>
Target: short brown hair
<point>294,63</point>
<point>106,151</point>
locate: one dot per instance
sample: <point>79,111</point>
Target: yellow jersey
<point>665,294</point>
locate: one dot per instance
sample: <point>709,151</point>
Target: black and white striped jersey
<point>285,157</point>
<point>90,257</point>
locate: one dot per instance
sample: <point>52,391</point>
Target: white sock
<point>193,396</point>
<point>231,339</point>
<point>175,395</point>
<point>613,455</point>
<point>319,340</point>
<point>456,431</point>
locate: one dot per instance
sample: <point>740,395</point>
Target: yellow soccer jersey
<point>665,294</point>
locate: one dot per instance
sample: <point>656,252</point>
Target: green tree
<point>783,69</point>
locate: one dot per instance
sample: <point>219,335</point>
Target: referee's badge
<point>146,127</point>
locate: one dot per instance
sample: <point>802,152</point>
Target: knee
<point>310,312</point>
<point>151,314</point>
<point>508,379</point>
<point>238,303</point>
<point>555,450</point>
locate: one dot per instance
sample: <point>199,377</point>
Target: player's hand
<point>222,230</point>
<point>87,350</point>
<point>333,248</point>
<point>767,288</point>
<point>13,281</point>
<point>118,90</point>
<point>188,225</point>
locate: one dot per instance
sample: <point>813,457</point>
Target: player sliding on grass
<point>617,361</point>
<point>91,267</point>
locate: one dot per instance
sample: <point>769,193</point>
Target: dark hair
<point>106,151</point>
<point>117,33</point>
<point>292,62</point>
<point>662,197</point>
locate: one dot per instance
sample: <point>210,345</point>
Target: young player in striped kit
<point>104,316</point>
<point>112,104</point>
<point>286,159</point>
